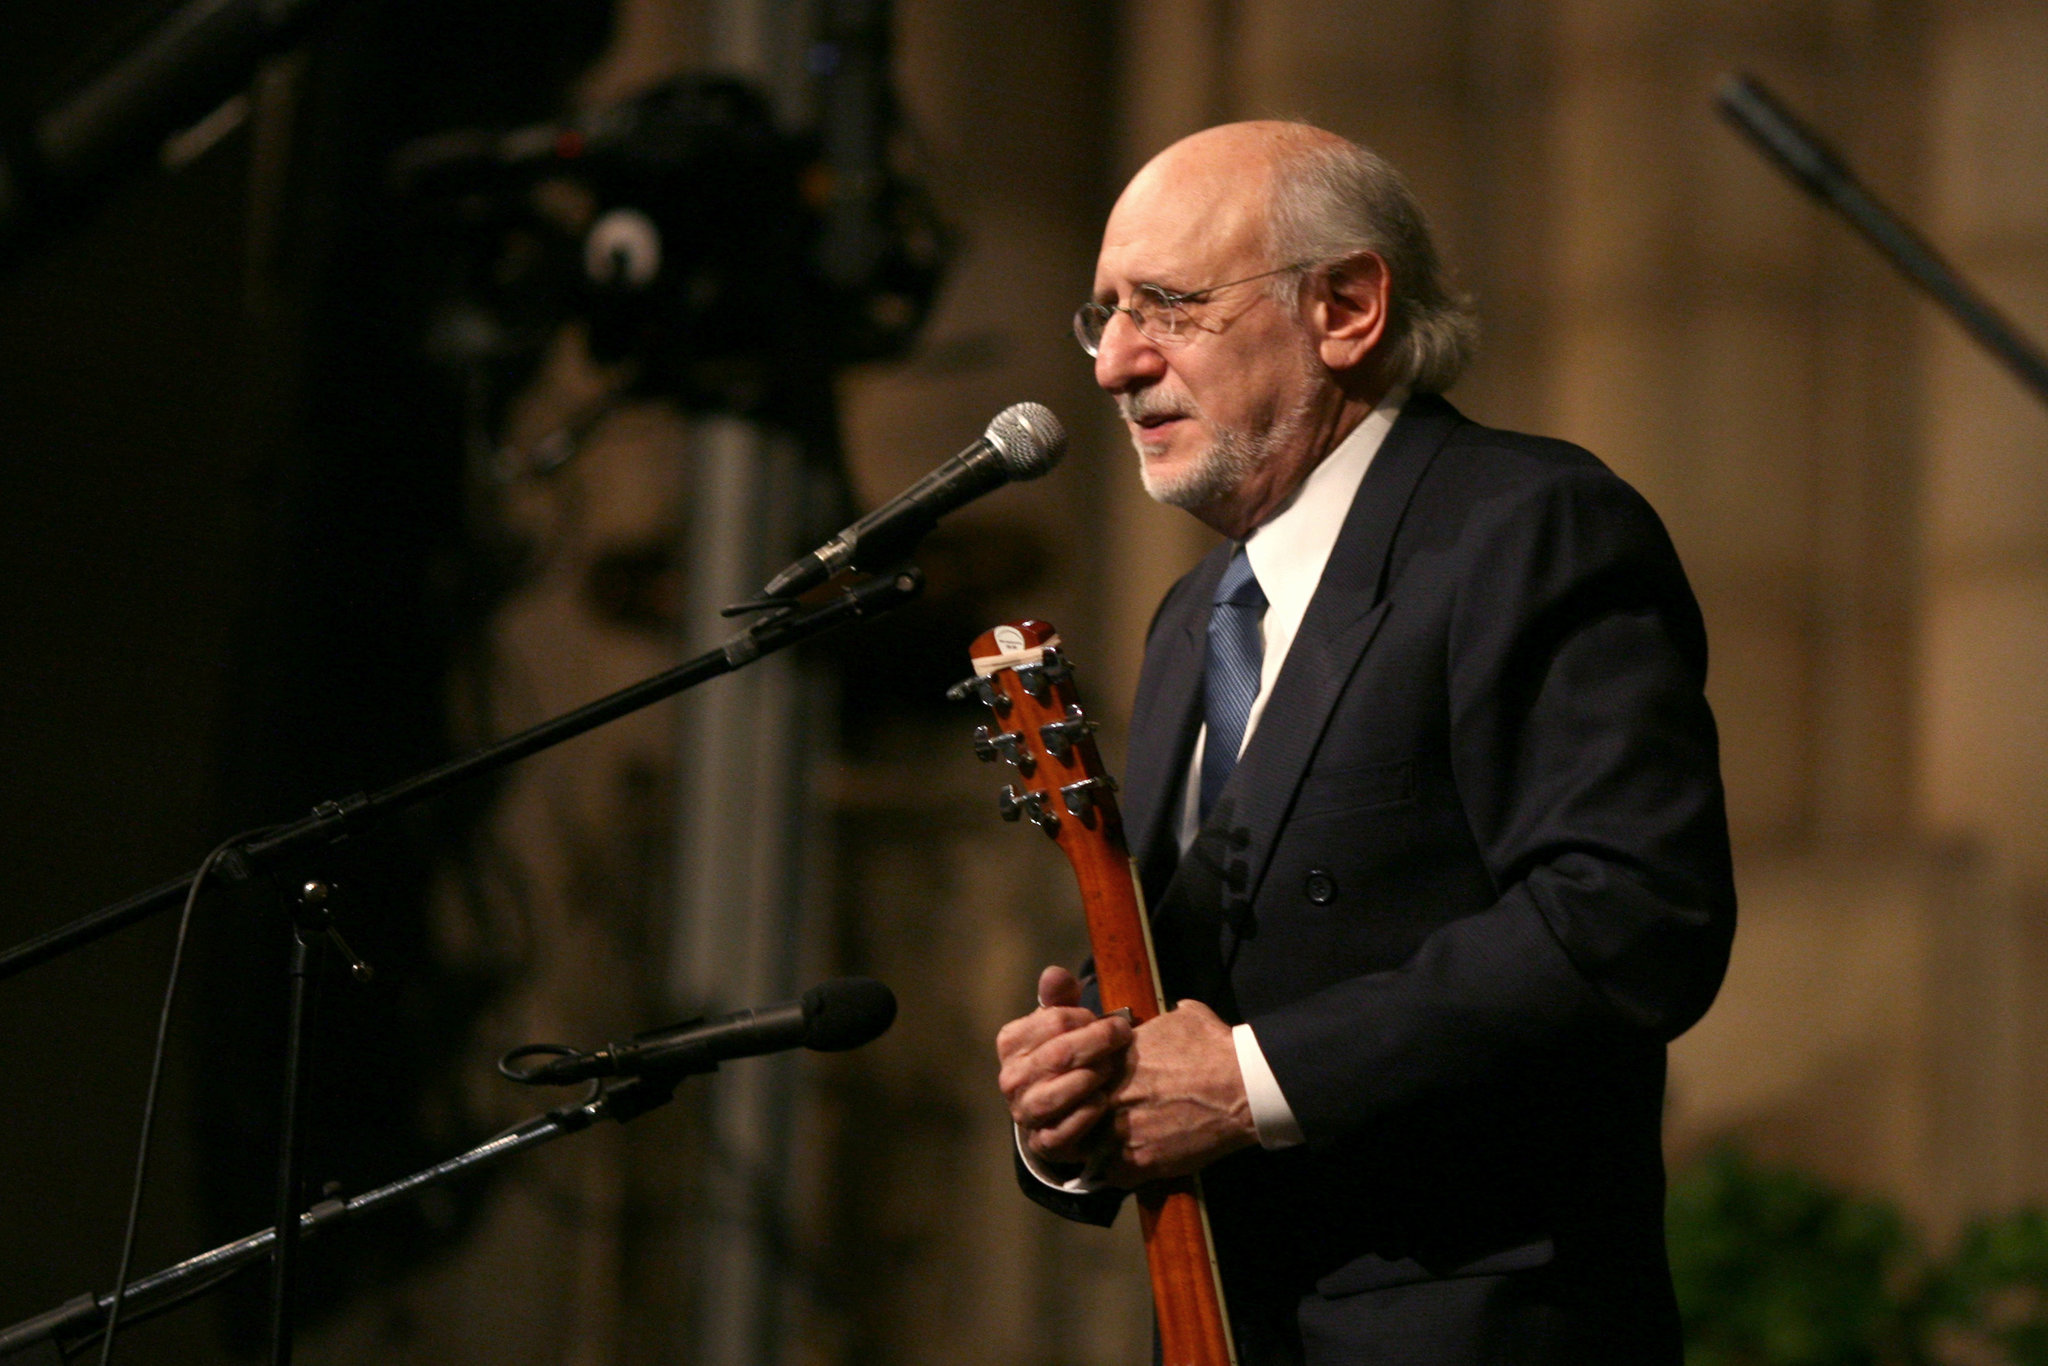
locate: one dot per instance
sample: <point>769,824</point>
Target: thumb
<point>1058,987</point>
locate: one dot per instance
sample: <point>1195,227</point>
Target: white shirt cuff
<point>1086,1182</point>
<point>1271,1115</point>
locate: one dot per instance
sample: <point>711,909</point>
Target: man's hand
<point>1182,1103</point>
<point>1170,1089</point>
<point>1060,1064</point>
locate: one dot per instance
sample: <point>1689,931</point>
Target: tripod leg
<point>309,936</point>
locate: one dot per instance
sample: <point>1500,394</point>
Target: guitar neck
<point>1041,731</point>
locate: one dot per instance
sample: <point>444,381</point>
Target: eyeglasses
<point>1160,316</point>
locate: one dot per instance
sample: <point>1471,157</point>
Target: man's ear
<point>1351,307</point>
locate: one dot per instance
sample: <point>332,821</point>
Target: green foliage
<point>1775,1268</point>
<point>1990,1301</point>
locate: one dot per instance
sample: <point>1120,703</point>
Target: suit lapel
<point>1164,718</point>
<point>1349,604</point>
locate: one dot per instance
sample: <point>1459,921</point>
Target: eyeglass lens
<point>1156,316</point>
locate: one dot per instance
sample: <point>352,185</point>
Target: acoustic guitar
<point>1039,729</point>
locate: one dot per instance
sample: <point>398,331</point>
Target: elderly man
<point>1424,795</point>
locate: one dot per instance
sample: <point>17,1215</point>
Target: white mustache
<point>1150,403</point>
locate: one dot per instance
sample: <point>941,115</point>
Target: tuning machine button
<point>982,690</point>
<point>1014,805</point>
<point>1081,796</point>
<point>1052,667</point>
<point>991,744</point>
<point>1059,736</point>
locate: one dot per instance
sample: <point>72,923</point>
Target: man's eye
<point>1154,303</point>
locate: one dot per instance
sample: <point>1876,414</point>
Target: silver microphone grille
<point>1029,438</point>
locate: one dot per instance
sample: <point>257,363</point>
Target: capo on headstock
<point>1019,645</point>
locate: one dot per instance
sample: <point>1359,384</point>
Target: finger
<point>1058,987</point>
<point>1084,1046</point>
<point>1023,1071</point>
<point>1102,1039</point>
<point>1046,1103</point>
<point>1028,1032</point>
<point>1071,1139</point>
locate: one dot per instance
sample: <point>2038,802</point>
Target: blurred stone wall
<point>1858,494</point>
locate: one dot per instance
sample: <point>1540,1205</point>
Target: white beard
<point>1231,458</point>
<point>1233,455</point>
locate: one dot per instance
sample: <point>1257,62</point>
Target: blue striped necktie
<point>1232,682</point>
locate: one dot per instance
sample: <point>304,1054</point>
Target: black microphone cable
<point>156,1071</point>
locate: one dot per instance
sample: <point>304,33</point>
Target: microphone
<point>1023,442</point>
<point>843,1013</point>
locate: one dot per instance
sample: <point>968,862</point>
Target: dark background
<point>233,575</point>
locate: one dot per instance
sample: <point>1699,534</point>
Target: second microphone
<point>843,1013</point>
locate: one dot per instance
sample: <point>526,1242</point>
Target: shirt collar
<point>1289,549</point>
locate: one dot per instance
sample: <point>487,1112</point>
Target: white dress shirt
<point>1288,552</point>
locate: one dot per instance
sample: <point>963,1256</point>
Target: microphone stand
<point>63,1331</point>
<point>333,821</point>
<point>1821,172</point>
<point>782,624</point>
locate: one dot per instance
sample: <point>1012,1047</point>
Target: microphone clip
<point>565,1066</point>
<point>862,593</point>
<point>741,609</point>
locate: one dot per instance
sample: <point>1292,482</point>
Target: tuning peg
<point>991,744</point>
<point>1034,679</point>
<point>1052,667</point>
<point>982,690</point>
<point>1012,804</point>
<point>1059,736</point>
<point>1081,796</point>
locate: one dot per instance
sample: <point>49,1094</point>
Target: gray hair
<point>1334,200</point>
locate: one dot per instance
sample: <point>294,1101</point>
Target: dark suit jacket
<point>1468,878</point>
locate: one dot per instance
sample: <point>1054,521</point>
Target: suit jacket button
<point>1319,887</point>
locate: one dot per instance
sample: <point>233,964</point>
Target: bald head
<point>1235,149</point>
<point>1286,194</point>
<point>1212,192</point>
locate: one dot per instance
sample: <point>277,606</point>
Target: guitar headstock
<point>1037,727</point>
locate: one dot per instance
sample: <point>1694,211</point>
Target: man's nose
<point>1126,358</point>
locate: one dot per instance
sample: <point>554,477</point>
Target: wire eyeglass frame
<point>1158,314</point>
